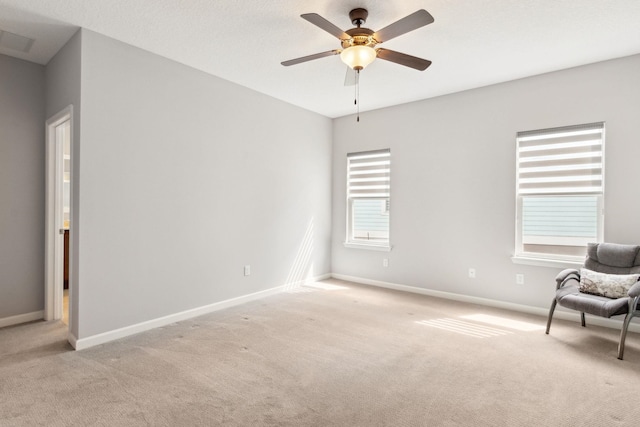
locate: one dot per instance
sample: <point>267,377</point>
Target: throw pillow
<point>606,285</point>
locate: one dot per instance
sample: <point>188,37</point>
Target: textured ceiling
<point>472,43</point>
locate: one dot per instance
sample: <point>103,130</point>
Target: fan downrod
<point>358,16</point>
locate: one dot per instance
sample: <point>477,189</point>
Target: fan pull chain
<point>355,90</point>
<point>357,95</point>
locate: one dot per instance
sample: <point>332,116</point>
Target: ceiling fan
<point>359,45</point>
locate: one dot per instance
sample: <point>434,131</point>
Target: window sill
<point>368,246</point>
<point>547,262</point>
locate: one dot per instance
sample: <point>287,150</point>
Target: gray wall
<point>453,178</point>
<point>185,178</point>
<point>63,78</point>
<point>22,120</point>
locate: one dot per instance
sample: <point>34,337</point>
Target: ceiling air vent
<point>15,42</point>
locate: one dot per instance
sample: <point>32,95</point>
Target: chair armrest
<point>565,275</point>
<point>634,291</point>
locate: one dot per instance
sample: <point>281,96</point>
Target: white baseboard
<point>83,343</point>
<point>21,318</point>
<point>544,312</point>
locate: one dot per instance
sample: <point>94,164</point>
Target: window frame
<point>361,243</point>
<point>522,256</point>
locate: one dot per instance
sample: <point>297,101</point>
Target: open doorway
<point>59,225</point>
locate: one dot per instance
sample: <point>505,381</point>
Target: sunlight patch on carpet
<point>324,286</point>
<point>504,322</point>
<point>314,287</point>
<point>299,290</point>
<point>464,328</point>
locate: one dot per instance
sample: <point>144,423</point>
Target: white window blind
<point>561,161</point>
<point>368,191</point>
<point>369,174</point>
<point>560,187</point>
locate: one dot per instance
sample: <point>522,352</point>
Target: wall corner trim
<point>72,340</point>
<point>84,343</point>
<point>560,313</point>
<point>21,318</point>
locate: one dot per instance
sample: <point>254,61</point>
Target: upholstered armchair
<point>607,285</point>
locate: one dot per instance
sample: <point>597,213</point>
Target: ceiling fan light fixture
<point>358,57</point>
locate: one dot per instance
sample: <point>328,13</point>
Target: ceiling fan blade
<point>403,59</point>
<point>310,57</point>
<point>411,22</point>
<point>330,28</point>
<point>350,77</point>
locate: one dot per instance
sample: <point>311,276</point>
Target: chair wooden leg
<point>551,310</point>
<point>623,333</point>
<point>584,324</point>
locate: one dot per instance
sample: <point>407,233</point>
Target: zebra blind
<point>564,160</point>
<point>369,174</point>
<point>560,183</point>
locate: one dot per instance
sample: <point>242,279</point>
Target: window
<point>560,191</point>
<point>368,190</point>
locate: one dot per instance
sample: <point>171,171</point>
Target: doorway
<point>59,216</point>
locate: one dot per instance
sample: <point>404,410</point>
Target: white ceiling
<point>472,43</point>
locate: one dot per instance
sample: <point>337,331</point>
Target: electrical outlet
<point>472,273</point>
<point>519,279</point>
<point>385,262</point>
<point>247,270</point>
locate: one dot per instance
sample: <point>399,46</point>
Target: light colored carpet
<point>345,355</point>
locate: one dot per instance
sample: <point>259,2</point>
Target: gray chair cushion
<point>612,254</point>
<point>602,268</point>
<point>569,296</point>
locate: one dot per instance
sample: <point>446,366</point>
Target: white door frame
<point>54,240</point>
